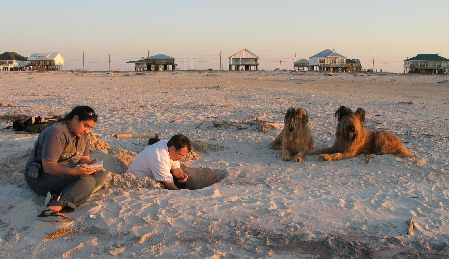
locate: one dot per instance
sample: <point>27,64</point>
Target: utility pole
<point>221,65</point>
<point>83,61</point>
<point>109,62</point>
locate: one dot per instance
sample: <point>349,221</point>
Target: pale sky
<point>195,31</point>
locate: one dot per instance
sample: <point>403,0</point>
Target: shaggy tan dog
<point>352,139</point>
<point>295,139</point>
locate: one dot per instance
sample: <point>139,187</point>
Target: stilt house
<point>243,60</point>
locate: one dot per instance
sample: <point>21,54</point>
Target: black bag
<point>35,169</point>
<point>22,124</point>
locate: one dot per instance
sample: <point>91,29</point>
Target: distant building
<point>427,64</point>
<point>11,61</point>
<point>139,65</point>
<point>46,61</point>
<point>301,65</point>
<point>243,60</point>
<point>159,62</point>
<point>353,65</point>
<point>328,60</point>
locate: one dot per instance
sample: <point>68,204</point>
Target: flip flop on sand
<point>54,216</point>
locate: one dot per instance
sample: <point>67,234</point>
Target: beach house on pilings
<point>159,62</point>
<point>46,61</point>
<point>427,64</point>
<point>11,61</point>
<point>243,60</point>
<point>330,61</point>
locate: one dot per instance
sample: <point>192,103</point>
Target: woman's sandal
<point>52,217</point>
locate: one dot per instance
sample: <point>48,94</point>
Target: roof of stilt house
<point>427,57</point>
<point>302,61</point>
<point>160,56</point>
<point>244,53</point>
<point>44,56</point>
<point>12,56</point>
<point>327,53</point>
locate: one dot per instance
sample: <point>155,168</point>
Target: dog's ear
<point>342,111</point>
<point>289,114</point>
<point>304,114</point>
<point>361,113</point>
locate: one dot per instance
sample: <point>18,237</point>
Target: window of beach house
<point>322,60</point>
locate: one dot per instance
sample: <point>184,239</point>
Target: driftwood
<point>60,232</point>
<point>411,227</point>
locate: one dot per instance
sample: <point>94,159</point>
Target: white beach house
<point>11,61</point>
<point>46,61</point>
<point>243,60</point>
<point>328,60</point>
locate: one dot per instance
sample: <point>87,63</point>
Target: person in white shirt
<point>160,162</point>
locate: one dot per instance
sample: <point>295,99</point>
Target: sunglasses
<point>91,115</point>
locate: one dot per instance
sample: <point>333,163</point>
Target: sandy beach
<point>246,202</point>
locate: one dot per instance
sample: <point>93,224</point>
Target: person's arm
<point>170,184</point>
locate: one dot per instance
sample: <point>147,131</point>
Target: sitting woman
<point>63,151</point>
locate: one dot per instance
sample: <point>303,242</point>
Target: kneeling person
<point>160,162</point>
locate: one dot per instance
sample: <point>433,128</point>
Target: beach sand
<point>246,202</point>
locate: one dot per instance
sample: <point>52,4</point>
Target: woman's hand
<point>86,160</point>
<point>81,169</point>
<point>93,161</point>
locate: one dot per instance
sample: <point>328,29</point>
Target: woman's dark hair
<point>179,141</point>
<point>83,112</point>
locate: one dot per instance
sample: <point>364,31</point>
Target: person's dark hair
<point>179,141</point>
<point>83,112</point>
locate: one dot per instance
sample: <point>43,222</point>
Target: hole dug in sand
<point>199,178</point>
<point>117,161</point>
<point>202,177</point>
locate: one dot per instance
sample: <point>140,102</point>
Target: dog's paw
<point>285,158</point>
<point>326,157</point>
<point>299,160</point>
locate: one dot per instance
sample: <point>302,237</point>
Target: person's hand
<point>183,177</point>
<point>81,169</point>
<point>93,161</point>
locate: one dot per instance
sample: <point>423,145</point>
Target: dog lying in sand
<point>295,138</point>
<point>352,139</point>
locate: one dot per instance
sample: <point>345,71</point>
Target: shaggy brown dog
<point>295,139</point>
<point>352,139</point>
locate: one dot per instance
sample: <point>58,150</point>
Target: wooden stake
<point>135,136</point>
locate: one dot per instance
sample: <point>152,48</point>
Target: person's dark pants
<point>73,190</point>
